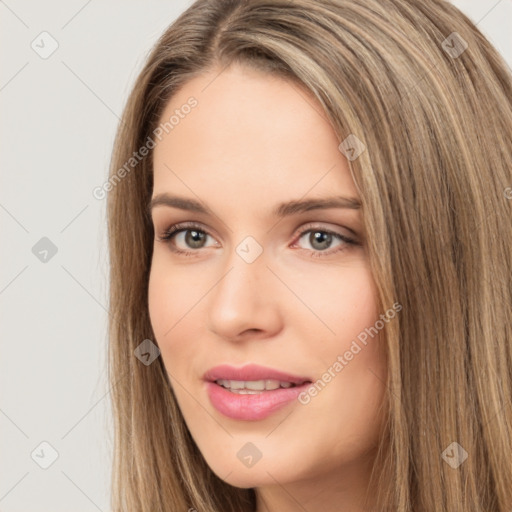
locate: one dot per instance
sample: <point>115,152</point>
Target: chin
<point>263,473</point>
<point>247,478</point>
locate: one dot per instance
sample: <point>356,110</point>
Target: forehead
<point>250,135</point>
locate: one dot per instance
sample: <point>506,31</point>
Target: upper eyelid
<point>299,232</point>
<point>354,216</point>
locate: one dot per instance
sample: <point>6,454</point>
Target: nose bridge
<point>249,250</point>
<point>245,271</point>
<point>243,298</point>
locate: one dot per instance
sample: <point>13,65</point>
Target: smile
<point>253,386</point>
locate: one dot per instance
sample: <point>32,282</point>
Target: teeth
<point>252,387</point>
<point>256,385</point>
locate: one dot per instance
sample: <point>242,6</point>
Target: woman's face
<point>265,281</point>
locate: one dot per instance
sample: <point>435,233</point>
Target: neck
<point>344,489</point>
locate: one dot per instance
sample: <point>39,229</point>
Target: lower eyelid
<point>170,234</point>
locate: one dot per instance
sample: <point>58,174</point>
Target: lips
<point>253,392</point>
<point>252,372</point>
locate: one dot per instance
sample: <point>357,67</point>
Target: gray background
<point>59,116</point>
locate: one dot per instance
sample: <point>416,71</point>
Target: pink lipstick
<point>252,392</point>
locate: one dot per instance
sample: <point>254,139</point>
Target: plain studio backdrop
<point>67,68</point>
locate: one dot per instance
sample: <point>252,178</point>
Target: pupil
<point>324,239</point>
<point>194,238</point>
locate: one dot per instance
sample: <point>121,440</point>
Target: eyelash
<point>171,232</point>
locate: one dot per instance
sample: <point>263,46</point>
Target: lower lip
<point>251,407</point>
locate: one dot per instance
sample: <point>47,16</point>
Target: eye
<point>188,238</point>
<point>188,235</point>
<point>321,241</point>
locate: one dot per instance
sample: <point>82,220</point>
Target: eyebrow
<point>282,210</point>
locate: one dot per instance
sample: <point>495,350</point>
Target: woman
<point>311,254</point>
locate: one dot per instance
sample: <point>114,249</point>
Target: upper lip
<point>251,372</point>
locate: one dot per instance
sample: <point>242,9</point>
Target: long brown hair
<point>431,99</point>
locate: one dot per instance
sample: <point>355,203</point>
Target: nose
<point>245,300</point>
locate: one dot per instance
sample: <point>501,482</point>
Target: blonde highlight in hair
<point>432,180</point>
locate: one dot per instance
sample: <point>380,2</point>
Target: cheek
<point>352,356</point>
<point>159,298</point>
<point>176,311</point>
<point>343,299</point>
<point>167,300</point>
<point>354,313</point>
<point>172,292</point>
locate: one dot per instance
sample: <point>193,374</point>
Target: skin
<point>252,142</point>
